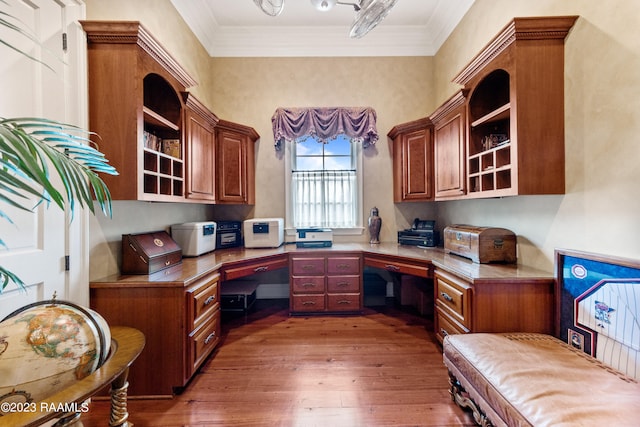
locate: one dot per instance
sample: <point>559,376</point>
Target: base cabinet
<point>322,283</point>
<point>180,322</point>
<point>497,305</point>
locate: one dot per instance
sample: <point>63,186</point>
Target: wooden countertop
<point>193,268</point>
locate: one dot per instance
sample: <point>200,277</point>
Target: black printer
<point>422,233</point>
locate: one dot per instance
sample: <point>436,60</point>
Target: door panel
<point>38,241</point>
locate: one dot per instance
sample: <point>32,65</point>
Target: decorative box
<point>146,253</point>
<point>480,244</point>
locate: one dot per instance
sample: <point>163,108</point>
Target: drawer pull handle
<point>309,285</point>
<point>209,300</point>
<point>446,296</point>
<point>167,262</point>
<point>211,336</point>
<point>308,267</point>
<point>391,267</point>
<point>443,332</point>
<point>309,303</point>
<point>342,266</point>
<point>261,269</point>
<point>342,284</point>
<point>344,301</point>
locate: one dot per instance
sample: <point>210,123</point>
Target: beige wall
<point>599,213</point>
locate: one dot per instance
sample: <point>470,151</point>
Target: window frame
<point>290,150</point>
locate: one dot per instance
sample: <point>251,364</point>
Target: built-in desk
<point>177,309</point>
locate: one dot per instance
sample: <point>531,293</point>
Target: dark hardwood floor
<point>383,368</point>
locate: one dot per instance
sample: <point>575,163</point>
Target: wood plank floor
<point>380,369</point>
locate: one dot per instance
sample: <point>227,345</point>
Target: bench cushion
<point>522,379</point>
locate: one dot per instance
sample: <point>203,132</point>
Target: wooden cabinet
<point>235,163</point>
<point>199,144</point>
<point>323,282</point>
<point>492,305</point>
<point>412,161</point>
<point>515,110</point>
<point>136,109</point>
<point>449,140</point>
<point>180,322</point>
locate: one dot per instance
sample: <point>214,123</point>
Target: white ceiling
<point>238,28</point>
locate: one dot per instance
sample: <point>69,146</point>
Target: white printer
<point>263,232</point>
<point>314,237</point>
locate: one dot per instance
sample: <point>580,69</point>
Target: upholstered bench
<point>524,379</point>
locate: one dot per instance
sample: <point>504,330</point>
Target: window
<point>324,184</point>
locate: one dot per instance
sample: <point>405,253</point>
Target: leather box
<point>480,244</point>
<point>146,253</point>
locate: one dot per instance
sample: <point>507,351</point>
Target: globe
<point>46,346</point>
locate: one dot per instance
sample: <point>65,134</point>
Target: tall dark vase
<point>375,222</point>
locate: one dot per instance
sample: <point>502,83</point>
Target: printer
<point>314,237</point>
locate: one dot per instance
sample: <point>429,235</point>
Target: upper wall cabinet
<point>136,108</point>
<point>200,153</point>
<point>515,108</point>
<point>412,161</point>
<point>449,131</point>
<point>235,163</point>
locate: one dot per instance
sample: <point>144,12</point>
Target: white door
<point>42,243</point>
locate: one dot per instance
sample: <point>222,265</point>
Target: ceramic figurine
<point>375,222</point>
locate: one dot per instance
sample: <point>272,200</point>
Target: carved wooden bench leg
<point>459,396</point>
<point>119,414</point>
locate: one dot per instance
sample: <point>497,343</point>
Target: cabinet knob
<point>443,332</point>
<point>446,296</point>
<point>211,336</point>
<point>209,300</point>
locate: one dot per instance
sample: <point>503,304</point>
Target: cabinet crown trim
<point>422,123</point>
<point>449,105</point>
<point>133,32</point>
<point>529,28</point>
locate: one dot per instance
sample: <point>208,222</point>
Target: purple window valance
<point>291,124</point>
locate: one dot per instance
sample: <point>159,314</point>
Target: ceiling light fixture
<point>369,13</point>
<point>323,5</point>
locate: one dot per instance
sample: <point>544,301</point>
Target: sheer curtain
<point>324,198</point>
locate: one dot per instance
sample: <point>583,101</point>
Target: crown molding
<point>312,41</point>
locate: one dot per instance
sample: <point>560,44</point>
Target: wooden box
<point>146,253</point>
<point>480,244</point>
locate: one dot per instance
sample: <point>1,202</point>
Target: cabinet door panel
<point>200,151</point>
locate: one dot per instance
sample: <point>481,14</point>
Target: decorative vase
<point>375,222</point>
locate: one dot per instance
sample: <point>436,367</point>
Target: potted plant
<point>33,149</point>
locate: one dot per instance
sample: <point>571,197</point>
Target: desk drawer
<point>398,265</point>
<point>343,284</point>
<point>308,303</point>
<point>307,284</point>
<point>445,325</point>
<point>343,302</point>
<point>307,266</point>
<point>249,268</point>
<point>454,296</point>
<point>203,299</point>
<point>203,341</point>
<point>343,265</point>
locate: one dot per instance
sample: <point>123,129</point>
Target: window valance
<point>291,124</point>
